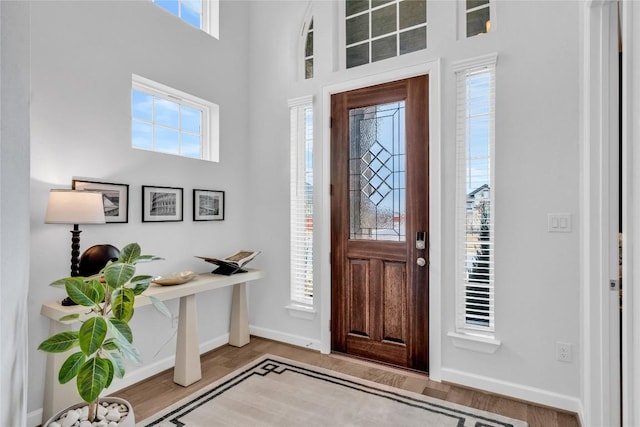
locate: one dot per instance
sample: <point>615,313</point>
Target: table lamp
<point>75,207</point>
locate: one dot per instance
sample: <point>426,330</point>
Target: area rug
<point>274,391</point>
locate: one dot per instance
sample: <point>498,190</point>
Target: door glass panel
<point>377,172</point>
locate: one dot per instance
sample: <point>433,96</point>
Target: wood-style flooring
<point>153,394</point>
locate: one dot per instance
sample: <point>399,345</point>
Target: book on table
<point>233,263</point>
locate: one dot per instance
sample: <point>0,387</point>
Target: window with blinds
<point>475,295</point>
<point>301,199</point>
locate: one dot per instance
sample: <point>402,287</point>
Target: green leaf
<point>147,258</point>
<point>110,373</point>
<point>70,367</point>
<point>84,293</point>
<point>129,253</point>
<point>110,345</point>
<point>60,343</point>
<point>140,288</point>
<point>58,283</point>
<point>145,278</point>
<point>123,338</point>
<point>118,364</point>
<point>92,334</point>
<point>122,300</point>
<point>120,328</point>
<point>160,306</point>
<point>117,275</point>
<point>92,378</point>
<point>69,317</point>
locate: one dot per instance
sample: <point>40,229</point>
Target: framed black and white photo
<point>114,196</point>
<point>208,205</point>
<point>161,204</point>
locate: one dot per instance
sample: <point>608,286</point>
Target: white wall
<point>82,58</point>
<point>14,209</point>
<point>537,172</point>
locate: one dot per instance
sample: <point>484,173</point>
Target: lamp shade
<point>74,207</point>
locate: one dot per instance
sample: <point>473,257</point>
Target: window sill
<point>479,343</point>
<point>301,311</point>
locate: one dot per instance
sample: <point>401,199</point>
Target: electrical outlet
<point>563,352</point>
<point>174,321</point>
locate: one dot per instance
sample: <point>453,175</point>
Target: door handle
<point>421,262</point>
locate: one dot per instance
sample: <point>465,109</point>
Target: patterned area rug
<point>273,391</point>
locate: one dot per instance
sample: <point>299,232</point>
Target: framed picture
<point>114,196</point>
<point>208,205</point>
<point>161,204</point>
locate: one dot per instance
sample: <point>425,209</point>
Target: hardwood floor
<point>159,391</point>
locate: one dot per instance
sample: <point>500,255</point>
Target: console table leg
<point>187,370</point>
<point>239,330</point>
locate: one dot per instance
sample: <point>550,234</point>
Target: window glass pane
<point>169,5</point>
<point>167,140</point>
<point>166,112</point>
<point>194,5</point>
<point>412,12</point>
<point>413,40</point>
<point>477,21</point>
<point>358,55</point>
<point>308,51</point>
<point>141,105</point>
<point>357,29</point>
<point>376,3</point>
<point>377,167</point>
<point>191,16</point>
<point>475,3</point>
<point>190,119</point>
<point>308,68</point>
<point>190,146</point>
<point>355,6</point>
<point>383,21</point>
<point>141,135</point>
<point>384,48</point>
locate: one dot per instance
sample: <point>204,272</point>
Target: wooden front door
<point>379,223</point>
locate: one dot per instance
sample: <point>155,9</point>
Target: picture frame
<point>208,205</point>
<point>162,204</point>
<point>115,198</point>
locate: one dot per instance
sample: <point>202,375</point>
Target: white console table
<point>187,364</point>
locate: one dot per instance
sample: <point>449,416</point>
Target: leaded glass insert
<point>377,172</point>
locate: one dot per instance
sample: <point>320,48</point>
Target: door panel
<point>379,200</point>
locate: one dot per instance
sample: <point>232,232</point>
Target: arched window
<point>308,50</point>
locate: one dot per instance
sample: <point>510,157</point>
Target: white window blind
<point>475,296</point>
<point>301,246</point>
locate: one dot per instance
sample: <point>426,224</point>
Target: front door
<point>379,223</point>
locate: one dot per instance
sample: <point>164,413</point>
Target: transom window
<point>381,29</point>
<point>169,121</point>
<point>202,14</point>
<point>477,17</point>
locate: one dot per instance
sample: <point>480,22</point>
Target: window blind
<point>301,201</point>
<point>475,296</point>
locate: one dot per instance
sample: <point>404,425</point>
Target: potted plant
<point>104,339</point>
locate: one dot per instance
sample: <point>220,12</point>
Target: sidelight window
<point>475,250</point>
<point>301,204</point>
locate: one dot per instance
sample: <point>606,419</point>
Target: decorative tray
<point>174,279</point>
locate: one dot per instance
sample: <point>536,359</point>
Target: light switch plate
<point>559,222</point>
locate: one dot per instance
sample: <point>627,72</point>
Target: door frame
<point>600,350</point>
<point>433,69</point>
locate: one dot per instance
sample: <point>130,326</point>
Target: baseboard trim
<point>513,390</point>
<point>296,340</point>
